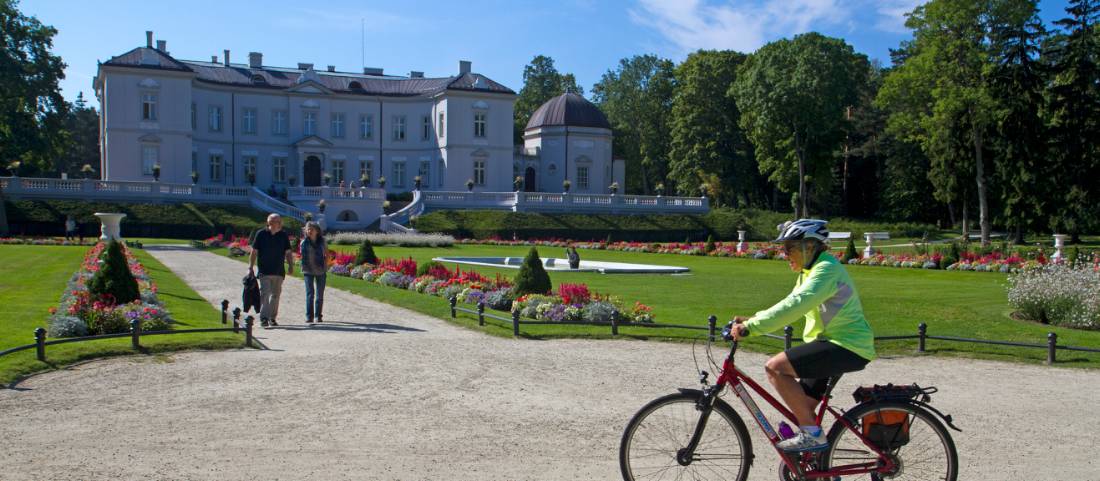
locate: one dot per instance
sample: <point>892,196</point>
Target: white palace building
<point>218,130</point>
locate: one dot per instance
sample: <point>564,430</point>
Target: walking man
<point>271,247</point>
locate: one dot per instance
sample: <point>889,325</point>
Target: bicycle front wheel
<point>913,437</point>
<point>656,435</point>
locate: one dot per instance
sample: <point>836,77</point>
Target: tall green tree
<point>541,82</point>
<point>793,95</point>
<point>1017,83</point>
<point>939,96</point>
<point>31,106</point>
<point>636,97</point>
<point>707,142</point>
<point>82,129</point>
<point>1074,117</point>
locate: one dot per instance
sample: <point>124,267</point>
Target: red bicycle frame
<point>737,381</point>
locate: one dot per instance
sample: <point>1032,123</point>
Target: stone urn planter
<point>109,226</point>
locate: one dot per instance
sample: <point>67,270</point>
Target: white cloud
<point>695,24</point>
<point>747,25</point>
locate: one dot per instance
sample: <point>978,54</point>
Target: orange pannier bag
<point>887,429</point>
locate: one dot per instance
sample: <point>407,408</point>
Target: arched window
<point>354,85</point>
<point>347,216</point>
<point>258,79</point>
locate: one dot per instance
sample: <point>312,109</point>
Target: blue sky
<point>586,37</point>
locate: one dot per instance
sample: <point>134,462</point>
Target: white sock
<point>814,431</point>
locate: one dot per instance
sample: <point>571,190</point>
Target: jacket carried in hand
<point>250,296</point>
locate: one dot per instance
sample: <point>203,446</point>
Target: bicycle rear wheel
<point>918,442</point>
<point>657,433</point>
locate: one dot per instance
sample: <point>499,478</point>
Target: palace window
<point>338,125</point>
<point>249,166</point>
<point>366,127</point>
<point>148,106</point>
<point>364,168</point>
<point>194,162</point>
<point>309,123</point>
<point>479,171</point>
<point>425,169</point>
<point>399,127</point>
<point>248,121</point>
<point>442,171</point>
<point>215,118</point>
<point>279,173</point>
<point>441,124</point>
<point>148,159</point>
<point>479,124</point>
<point>215,167</point>
<point>582,178</point>
<point>337,171</point>
<point>398,174</point>
<point>426,125</point>
<point>278,122</point>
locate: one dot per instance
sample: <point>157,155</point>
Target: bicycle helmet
<point>803,229</point>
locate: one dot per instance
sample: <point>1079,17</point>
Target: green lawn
<point>964,304</point>
<point>34,278</point>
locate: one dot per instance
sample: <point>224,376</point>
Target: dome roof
<point>568,109</point>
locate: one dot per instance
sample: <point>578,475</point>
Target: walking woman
<point>313,251</point>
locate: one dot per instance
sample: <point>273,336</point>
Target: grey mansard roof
<point>282,78</point>
<point>568,109</point>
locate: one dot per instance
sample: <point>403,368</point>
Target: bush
<point>850,251</point>
<point>599,311</point>
<point>113,280</point>
<point>532,277</point>
<point>710,247</point>
<point>500,300</point>
<point>366,254</point>
<point>423,269</point>
<point>1057,294</point>
<point>107,321</point>
<point>67,326</point>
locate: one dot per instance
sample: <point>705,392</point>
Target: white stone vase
<point>109,226</point>
<point>741,241</point>
<point>1059,245</point>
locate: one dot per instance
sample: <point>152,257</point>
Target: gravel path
<point>378,392</point>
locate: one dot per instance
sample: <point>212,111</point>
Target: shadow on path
<point>340,326</point>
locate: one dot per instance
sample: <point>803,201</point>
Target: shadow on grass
<point>341,326</point>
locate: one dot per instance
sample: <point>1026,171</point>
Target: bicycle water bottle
<point>785,430</point>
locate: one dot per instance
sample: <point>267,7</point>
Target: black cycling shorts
<point>817,361</point>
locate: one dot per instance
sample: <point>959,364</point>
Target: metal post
<point>225,309</point>
<point>515,323</point>
<point>614,323</point>
<point>1052,347</point>
<point>454,302</point>
<point>787,333</point>
<point>922,333</point>
<point>712,324</point>
<point>481,313</point>
<point>40,341</point>
<point>247,330</point>
<point>135,333</point>
<point>236,314</point>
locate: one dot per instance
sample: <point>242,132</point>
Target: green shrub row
<point>719,224</point>
<point>47,218</point>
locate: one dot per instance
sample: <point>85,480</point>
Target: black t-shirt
<point>271,252</point>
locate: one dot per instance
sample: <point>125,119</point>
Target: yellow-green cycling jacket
<point>826,296</point>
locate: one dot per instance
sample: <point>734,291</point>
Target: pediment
<point>313,141</point>
<point>310,87</point>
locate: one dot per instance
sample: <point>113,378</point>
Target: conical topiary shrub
<point>710,246</point>
<point>532,277</point>
<point>113,281</point>
<point>850,252</point>
<point>366,254</point>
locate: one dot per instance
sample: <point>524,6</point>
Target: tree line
<point>984,111</point>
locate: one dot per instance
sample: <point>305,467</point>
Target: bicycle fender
<point>945,417</point>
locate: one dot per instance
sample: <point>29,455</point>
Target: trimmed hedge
<point>186,221</point>
<point>721,224</point>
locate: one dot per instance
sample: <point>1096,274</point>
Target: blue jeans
<point>315,295</point>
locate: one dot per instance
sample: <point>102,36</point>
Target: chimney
<point>226,51</point>
<point>372,71</point>
<point>331,68</point>
<point>464,67</point>
<point>162,45</point>
<point>255,60</point>
<point>148,39</point>
<point>213,59</point>
<point>305,66</point>
<point>416,74</point>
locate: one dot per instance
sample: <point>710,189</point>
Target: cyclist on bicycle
<point>837,337</point>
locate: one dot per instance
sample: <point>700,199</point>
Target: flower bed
<point>1058,294</point>
<point>572,302</point>
<point>995,261</point>
<point>80,313</point>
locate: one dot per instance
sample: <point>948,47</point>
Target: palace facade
<point>223,123</point>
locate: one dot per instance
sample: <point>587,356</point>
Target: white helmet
<point>803,229</point>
